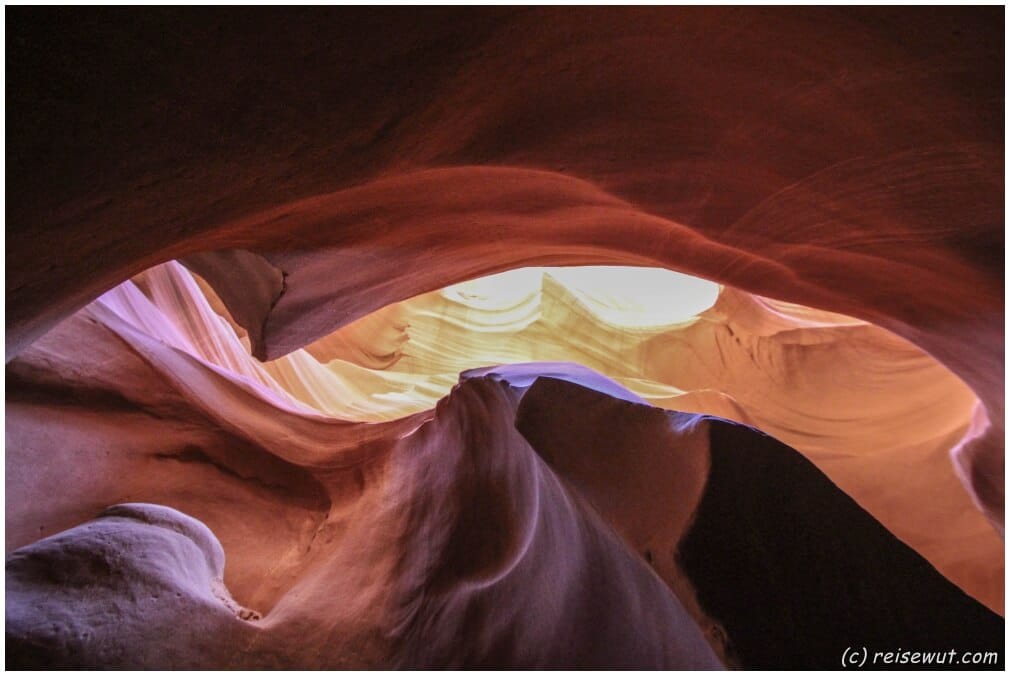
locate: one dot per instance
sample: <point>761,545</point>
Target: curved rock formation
<point>325,172</point>
<point>473,539</point>
<point>141,585</point>
<point>865,176</point>
<point>449,544</point>
<point>861,403</point>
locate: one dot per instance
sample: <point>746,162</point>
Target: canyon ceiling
<point>252,381</point>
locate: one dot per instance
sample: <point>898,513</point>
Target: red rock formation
<point>481,536</point>
<point>317,165</point>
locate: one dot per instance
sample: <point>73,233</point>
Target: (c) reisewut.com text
<point>860,657</point>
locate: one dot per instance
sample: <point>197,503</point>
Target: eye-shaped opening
<point>860,402</point>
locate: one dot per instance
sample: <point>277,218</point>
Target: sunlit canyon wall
<point>321,460</point>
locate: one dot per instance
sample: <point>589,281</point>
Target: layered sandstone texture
<point>296,378</point>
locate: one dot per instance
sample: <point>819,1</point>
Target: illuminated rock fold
<point>861,403</point>
<point>483,510</point>
<point>247,259</point>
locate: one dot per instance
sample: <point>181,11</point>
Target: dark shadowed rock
<point>796,572</point>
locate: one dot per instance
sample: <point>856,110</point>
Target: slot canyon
<point>514,337</point>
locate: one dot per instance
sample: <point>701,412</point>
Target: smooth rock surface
<point>805,154</point>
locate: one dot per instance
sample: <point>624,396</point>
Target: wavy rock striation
<point>797,153</point>
<point>472,539</point>
<point>861,403</point>
<point>324,181</point>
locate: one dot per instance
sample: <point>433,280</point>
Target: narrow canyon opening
<point>875,413</point>
<point>652,337</point>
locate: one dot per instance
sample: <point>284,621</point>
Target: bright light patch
<point>624,297</point>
